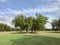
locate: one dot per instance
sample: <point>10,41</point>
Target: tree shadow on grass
<point>18,32</point>
<point>36,40</point>
<point>23,32</point>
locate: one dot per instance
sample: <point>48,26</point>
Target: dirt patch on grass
<point>38,33</point>
<point>16,32</point>
<point>2,33</point>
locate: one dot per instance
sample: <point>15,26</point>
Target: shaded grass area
<point>5,39</point>
<point>36,40</point>
<point>17,39</point>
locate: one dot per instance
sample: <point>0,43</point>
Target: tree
<point>34,25</point>
<point>7,28</point>
<point>4,27</point>
<point>56,24</point>
<point>39,22</point>
<point>28,23</point>
<point>23,22</point>
<point>19,21</point>
<point>59,24</point>
<point>1,27</point>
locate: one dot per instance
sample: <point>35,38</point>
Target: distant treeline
<point>5,27</point>
<point>52,30</point>
<point>33,24</point>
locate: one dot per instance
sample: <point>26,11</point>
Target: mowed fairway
<point>42,38</point>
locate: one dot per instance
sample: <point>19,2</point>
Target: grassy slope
<point>42,39</point>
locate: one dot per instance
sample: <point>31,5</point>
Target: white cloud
<point>50,18</point>
<point>48,26</point>
<point>33,10</point>
<point>3,0</point>
<point>57,12</point>
<point>2,18</point>
<point>6,20</point>
<point>40,10</point>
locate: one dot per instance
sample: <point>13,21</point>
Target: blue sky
<point>10,8</point>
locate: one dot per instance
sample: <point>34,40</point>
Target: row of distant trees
<point>5,27</point>
<point>31,23</point>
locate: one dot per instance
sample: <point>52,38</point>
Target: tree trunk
<point>31,31</point>
<point>27,31</point>
<point>36,31</point>
<point>20,31</point>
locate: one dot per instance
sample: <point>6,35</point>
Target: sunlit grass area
<point>41,38</point>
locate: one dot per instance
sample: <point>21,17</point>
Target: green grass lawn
<point>41,39</point>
